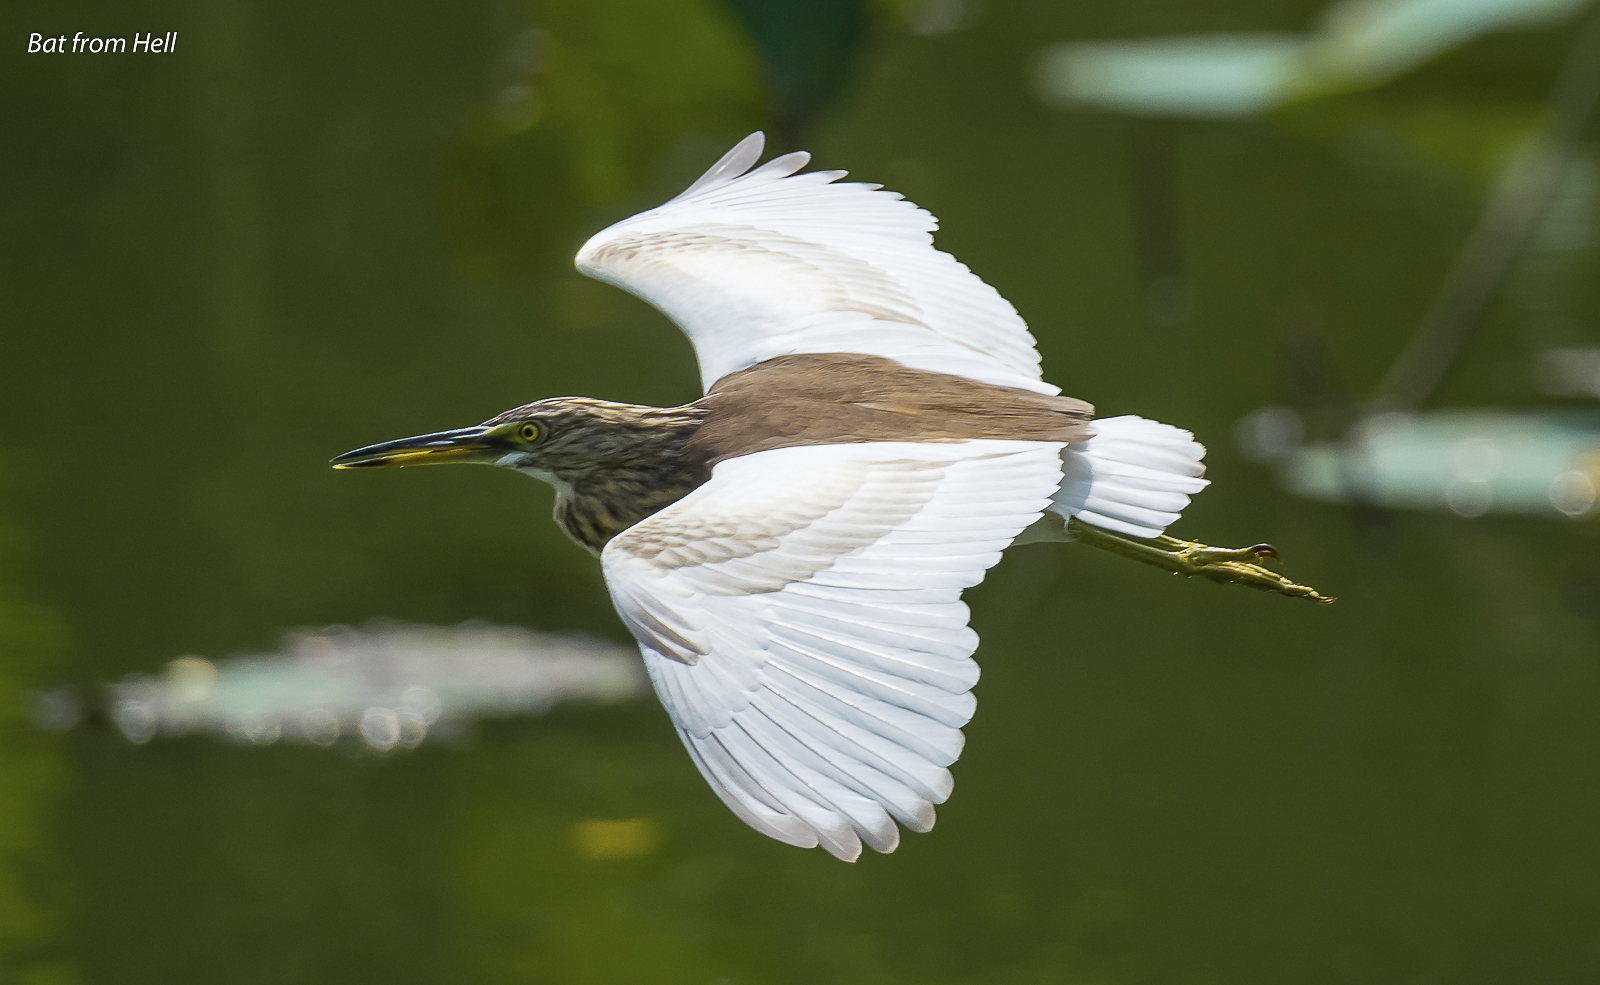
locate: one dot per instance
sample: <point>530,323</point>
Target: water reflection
<point>386,685</point>
<point>1465,462</point>
<point>1359,43</point>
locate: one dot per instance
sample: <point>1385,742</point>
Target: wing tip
<point>739,159</point>
<point>846,849</point>
<point>783,165</point>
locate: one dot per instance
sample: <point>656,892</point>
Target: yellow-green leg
<point>1222,564</point>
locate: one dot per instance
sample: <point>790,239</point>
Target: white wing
<point>768,263</point>
<point>800,615</point>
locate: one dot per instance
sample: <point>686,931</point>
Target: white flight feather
<point>821,679</point>
<point>764,263</point>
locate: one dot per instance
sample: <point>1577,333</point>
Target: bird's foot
<point>1196,554</point>
<point>1237,566</point>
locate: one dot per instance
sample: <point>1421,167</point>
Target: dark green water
<point>307,229</point>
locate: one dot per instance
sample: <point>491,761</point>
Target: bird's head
<point>563,440</point>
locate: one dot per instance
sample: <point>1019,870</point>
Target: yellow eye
<point>528,432</point>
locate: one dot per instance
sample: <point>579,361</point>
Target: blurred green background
<point>315,226</point>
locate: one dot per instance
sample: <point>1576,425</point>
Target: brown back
<point>839,397</point>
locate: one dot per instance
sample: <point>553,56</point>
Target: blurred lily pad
<point>1359,43</point>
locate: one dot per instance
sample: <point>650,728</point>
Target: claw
<point>1220,564</point>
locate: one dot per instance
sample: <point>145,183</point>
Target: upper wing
<point>768,263</point>
<point>800,616</point>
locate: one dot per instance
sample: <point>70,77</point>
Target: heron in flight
<point>790,549</point>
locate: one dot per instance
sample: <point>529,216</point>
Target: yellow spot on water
<point>632,838</point>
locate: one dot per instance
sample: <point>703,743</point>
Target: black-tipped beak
<point>463,445</point>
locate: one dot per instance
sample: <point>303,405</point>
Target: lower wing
<point>800,615</point>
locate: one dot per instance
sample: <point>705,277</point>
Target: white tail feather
<point>1134,476</point>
